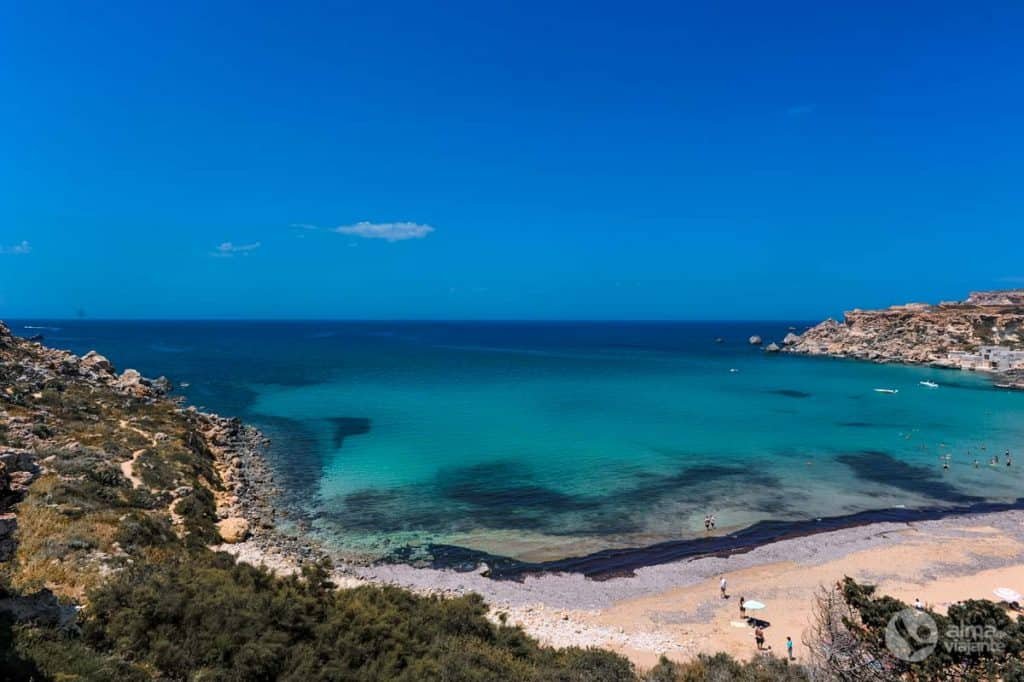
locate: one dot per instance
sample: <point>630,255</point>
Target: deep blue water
<point>544,440</point>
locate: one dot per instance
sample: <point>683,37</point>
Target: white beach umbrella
<point>753,605</point>
<point>1006,594</point>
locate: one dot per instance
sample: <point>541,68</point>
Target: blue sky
<point>507,160</point>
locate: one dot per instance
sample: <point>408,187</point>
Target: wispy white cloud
<point>227,249</point>
<point>19,249</point>
<point>800,110</point>
<point>390,232</point>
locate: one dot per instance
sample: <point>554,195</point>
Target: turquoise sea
<point>537,441</point>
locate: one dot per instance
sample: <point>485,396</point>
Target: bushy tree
<point>975,639</point>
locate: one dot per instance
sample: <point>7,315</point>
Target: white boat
<point>733,370</point>
<point>887,390</point>
<point>929,384</point>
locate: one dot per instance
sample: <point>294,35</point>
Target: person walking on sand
<point>759,638</point>
<point>722,586</point>
<point>743,608</point>
<point>789,648</point>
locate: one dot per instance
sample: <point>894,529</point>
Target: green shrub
<point>138,530</point>
<point>205,617</point>
<point>156,471</point>
<point>199,512</point>
<point>41,431</point>
<point>13,665</point>
<point>38,653</point>
<point>85,462</point>
<point>723,667</point>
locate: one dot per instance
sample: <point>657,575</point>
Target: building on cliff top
<point>910,307</point>
<point>1012,297</point>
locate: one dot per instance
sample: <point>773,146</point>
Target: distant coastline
<point>983,333</point>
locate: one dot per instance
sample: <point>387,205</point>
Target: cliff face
<point>921,333</point>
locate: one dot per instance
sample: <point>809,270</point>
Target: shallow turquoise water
<point>543,440</point>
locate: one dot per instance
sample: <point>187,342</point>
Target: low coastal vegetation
<point>112,494</point>
<point>202,616</point>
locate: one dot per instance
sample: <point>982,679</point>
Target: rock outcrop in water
<point>961,335</point>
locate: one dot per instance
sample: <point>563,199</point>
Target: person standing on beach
<point>789,648</point>
<point>721,586</point>
<point>743,609</point>
<point>759,637</point>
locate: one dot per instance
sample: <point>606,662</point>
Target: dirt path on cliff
<point>128,466</point>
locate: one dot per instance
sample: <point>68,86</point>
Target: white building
<point>989,359</point>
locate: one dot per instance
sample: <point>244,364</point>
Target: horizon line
<point>397,319</point>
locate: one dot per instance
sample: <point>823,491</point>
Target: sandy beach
<point>676,609</point>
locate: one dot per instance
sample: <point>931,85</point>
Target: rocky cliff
<point>100,469</point>
<point>919,332</point>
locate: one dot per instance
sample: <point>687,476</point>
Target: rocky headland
<point>985,332</point>
<point>100,469</point>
